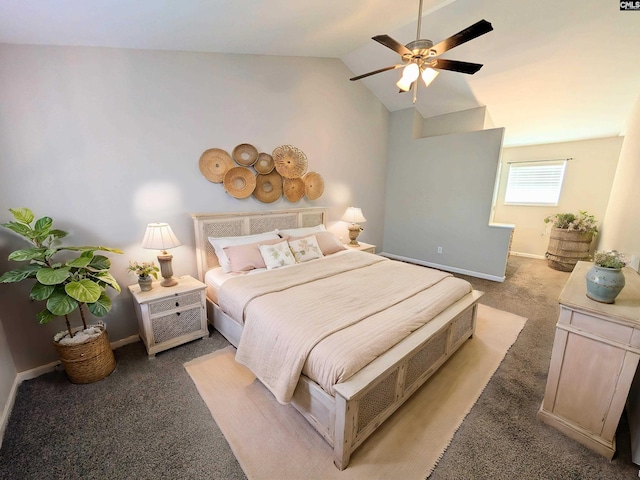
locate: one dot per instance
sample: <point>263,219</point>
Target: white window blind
<point>535,183</point>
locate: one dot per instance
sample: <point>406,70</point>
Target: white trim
<point>125,341</point>
<point>446,268</point>
<point>527,255</point>
<point>4,420</point>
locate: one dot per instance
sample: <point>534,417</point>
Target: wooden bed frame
<point>369,397</point>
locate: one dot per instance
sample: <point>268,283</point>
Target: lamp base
<point>166,270</point>
<point>169,282</point>
<point>354,231</point>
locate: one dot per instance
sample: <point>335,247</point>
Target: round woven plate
<point>313,185</point>
<point>268,187</point>
<point>239,182</point>
<point>293,189</point>
<point>245,154</point>
<point>214,163</point>
<point>264,164</point>
<point>290,162</point>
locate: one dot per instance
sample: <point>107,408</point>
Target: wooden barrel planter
<point>87,362</point>
<point>566,248</point>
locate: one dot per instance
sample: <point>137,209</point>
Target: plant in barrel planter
<point>570,239</point>
<point>66,285</point>
<point>605,280</point>
<point>144,270</point>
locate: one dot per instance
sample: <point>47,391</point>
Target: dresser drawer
<point>174,303</point>
<point>174,325</point>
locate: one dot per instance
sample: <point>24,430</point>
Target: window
<point>535,183</point>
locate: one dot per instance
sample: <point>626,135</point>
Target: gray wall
<point>107,140</point>
<point>439,193</point>
<point>8,376</point>
<point>621,225</point>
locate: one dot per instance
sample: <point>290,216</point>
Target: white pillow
<point>303,231</point>
<point>277,255</point>
<point>305,249</point>
<point>218,244</point>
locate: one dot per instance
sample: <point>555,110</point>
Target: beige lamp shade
<point>159,236</point>
<point>353,215</point>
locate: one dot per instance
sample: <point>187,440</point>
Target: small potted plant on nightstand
<point>67,285</point>
<point>144,270</point>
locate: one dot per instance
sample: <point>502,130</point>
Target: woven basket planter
<point>90,361</point>
<point>566,248</point>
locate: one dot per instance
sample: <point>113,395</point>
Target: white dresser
<point>593,362</point>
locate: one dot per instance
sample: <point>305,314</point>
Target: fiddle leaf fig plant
<point>64,284</point>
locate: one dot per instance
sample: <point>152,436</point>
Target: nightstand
<point>363,247</point>
<point>171,316</point>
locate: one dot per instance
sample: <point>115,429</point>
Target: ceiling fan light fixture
<point>411,72</point>
<point>428,75</point>
<point>404,85</point>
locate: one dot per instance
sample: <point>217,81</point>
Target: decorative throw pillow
<point>327,241</point>
<point>244,258</point>
<point>277,255</point>
<point>219,243</point>
<point>305,249</point>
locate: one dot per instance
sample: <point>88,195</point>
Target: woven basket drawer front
<point>462,325</point>
<point>176,324</point>
<point>174,303</point>
<point>425,358</point>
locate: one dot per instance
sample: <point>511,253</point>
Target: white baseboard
<point>527,255</point>
<point>41,370</point>
<point>8,407</point>
<point>446,268</point>
<point>125,341</point>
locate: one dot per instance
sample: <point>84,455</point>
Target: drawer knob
<point>178,313</point>
<point>177,304</point>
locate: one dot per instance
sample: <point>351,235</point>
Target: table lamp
<point>159,236</point>
<point>354,216</point>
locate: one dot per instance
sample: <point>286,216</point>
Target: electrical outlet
<point>439,249</point>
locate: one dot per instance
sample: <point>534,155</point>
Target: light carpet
<point>273,441</point>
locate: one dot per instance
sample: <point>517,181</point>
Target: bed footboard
<point>364,401</point>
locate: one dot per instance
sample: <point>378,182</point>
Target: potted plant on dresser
<point>66,285</point>
<point>605,279</point>
<point>570,239</point>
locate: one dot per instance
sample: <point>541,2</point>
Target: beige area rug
<point>273,441</point>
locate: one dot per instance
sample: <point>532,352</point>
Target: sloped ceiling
<point>553,71</point>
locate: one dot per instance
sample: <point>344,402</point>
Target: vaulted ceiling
<point>553,70</point>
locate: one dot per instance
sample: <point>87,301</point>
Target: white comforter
<point>330,317</point>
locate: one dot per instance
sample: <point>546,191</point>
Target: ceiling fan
<point>420,57</point>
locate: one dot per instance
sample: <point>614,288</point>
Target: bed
<point>344,411</point>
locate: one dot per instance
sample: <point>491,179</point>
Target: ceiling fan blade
<point>393,67</point>
<point>456,66</point>
<point>469,33</point>
<point>394,45</point>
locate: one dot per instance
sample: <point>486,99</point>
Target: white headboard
<point>249,223</point>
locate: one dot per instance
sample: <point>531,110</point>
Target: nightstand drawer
<point>173,325</point>
<point>174,303</point>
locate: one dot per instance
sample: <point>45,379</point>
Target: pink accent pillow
<point>327,242</point>
<point>244,258</point>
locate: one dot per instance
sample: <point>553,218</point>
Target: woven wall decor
<point>290,162</point>
<point>245,154</point>
<point>267,177</point>
<point>293,189</point>
<point>264,164</point>
<point>239,182</point>
<point>313,185</point>
<point>214,163</point>
<point>268,187</point>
